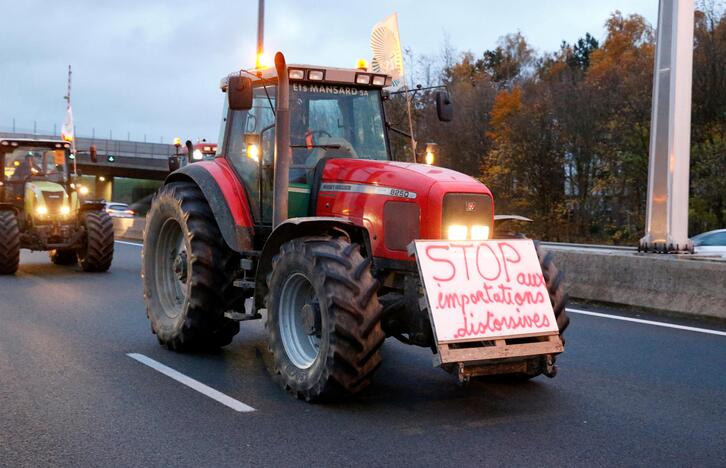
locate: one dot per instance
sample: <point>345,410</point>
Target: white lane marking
<point>647,322</point>
<point>129,243</point>
<point>193,384</point>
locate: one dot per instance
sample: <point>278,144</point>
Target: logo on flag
<point>386,48</point>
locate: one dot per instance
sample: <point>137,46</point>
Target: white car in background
<point>710,243</point>
<point>119,210</point>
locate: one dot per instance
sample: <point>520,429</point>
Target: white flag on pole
<point>386,47</point>
<point>67,128</point>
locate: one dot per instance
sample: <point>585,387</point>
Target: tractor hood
<point>45,186</point>
<point>50,197</point>
<point>418,179</point>
<point>399,202</point>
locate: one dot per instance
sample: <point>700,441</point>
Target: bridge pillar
<point>104,187</point>
<point>666,227</point>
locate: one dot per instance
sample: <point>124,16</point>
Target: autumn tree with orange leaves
<point>563,137</point>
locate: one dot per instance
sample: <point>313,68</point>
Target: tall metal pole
<point>260,32</point>
<point>666,227</point>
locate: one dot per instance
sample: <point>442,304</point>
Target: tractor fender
<point>300,227</point>
<point>226,197</point>
<point>9,207</point>
<point>92,205</point>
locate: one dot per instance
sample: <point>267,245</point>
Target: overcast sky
<point>153,67</point>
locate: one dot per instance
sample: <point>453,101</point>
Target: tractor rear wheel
<point>96,254</point>
<point>187,271</point>
<point>323,318</point>
<point>63,257</point>
<point>9,243</point>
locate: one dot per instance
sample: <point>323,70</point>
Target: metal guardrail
<point>625,248</point>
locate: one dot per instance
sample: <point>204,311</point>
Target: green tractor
<point>41,208</point>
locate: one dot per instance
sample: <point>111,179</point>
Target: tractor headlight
<point>479,232</point>
<point>457,232</point>
<point>41,210</point>
<point>65,211</point>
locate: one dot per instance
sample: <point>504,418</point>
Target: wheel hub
<point>310,318</point>
<point>180,266</point>
<point>299,321</point>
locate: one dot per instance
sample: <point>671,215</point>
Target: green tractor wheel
<point>9,243</point>
<point>96,254</point>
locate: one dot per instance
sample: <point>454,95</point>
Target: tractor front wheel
<point>323,318</point>
<point>9,243</point>
<point>187,271</point>
<point>96,254</point>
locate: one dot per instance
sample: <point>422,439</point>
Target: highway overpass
<point>133,159</point>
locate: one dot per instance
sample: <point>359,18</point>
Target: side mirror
<point>94,153</point>
<point>444,106</point>
<point>239,92</point>
<point>173,163</point>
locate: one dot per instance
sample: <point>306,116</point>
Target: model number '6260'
<point>400,193</point>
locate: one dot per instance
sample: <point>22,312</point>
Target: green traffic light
<point>110,158</point>
<point>71,156</point>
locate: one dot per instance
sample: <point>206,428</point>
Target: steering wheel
<point>321,132</point>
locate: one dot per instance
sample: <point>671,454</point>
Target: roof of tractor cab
<point>48,142</point>
<point>335,75</point>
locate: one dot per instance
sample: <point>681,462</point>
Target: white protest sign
<point>482,290</point>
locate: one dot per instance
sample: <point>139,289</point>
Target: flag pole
<point>67,97</point>
<point>410,120</point>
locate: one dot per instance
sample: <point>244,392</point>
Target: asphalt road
<point>626,394</point>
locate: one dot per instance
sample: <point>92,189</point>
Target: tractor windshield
<point>332,120</point>
<point>35,162</point>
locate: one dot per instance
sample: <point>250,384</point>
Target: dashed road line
<point>193,384</point>
<point>129,243</point>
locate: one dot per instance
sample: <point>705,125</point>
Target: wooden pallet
<point>500,349</point>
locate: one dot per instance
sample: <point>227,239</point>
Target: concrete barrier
<point>679,284</point>
<point>129,228</point>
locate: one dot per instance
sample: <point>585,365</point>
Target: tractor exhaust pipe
<point>282,143</point>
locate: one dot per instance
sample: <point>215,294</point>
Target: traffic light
<point>110,158</point>
<point>72,156</point>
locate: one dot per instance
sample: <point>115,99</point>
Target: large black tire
<point>63,257</point>
<point>554,279</point>
<point>323,288</point>
<point>9,243</point>
<point>187,271</point>
<point>96,254</point>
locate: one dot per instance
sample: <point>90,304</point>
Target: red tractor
<point>305,215</point>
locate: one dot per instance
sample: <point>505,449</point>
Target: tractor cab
<point>31,166</point>
<point>334,113</point>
